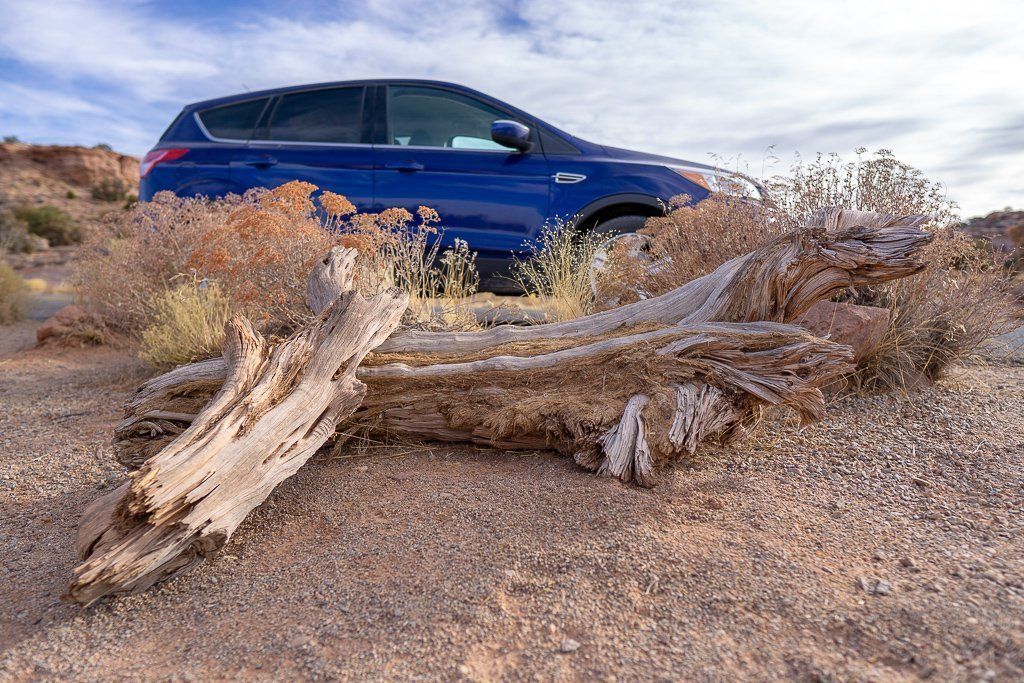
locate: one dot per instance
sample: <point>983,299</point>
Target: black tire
<point>620,225</point>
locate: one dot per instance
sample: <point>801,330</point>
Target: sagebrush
<point>110,190</point>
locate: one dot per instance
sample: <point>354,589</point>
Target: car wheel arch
<point>618,205</point>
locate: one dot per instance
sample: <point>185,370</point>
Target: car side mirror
<point>511,134</point>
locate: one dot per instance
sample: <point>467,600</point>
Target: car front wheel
<point>621,230</point>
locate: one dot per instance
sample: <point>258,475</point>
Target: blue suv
<point>494,173</point>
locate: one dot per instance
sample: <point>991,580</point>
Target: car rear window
<point>233,121</point>
<point>330,115</point>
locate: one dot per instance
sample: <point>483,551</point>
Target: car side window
<point>430,117</point>
<point>330,115</point>
<point>233,121</point>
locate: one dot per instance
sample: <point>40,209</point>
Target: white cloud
<point>934,81</point>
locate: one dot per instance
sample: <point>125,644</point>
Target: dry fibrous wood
<point>275,406</point>
<point>778,282</point>
<point>619,406</point>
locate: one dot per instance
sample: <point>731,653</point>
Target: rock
<point>35,243</point>
<point>79,166</point>
<point>72,323</point>
<point>883,587</point>
<point>59,322</point>
<point>569,645</point>
<point>861,327</point>
<point>1003,229</point>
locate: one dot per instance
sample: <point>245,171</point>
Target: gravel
<point>468,564</point>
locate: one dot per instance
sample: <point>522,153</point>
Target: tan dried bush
<point>188,324</point>
<point>938,317</point>
<point>141,253</point>
<point>685,244</point>
<point>12,295</point>
<point>261,255</point>
<point>399,250</point>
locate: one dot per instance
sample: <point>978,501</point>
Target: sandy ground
<point>884,543</point>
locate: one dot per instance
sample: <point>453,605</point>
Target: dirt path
<point>882,544</point>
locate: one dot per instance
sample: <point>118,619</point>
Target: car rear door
<point>215,137</point>
<point>319,136</point>
<point>436,150</point>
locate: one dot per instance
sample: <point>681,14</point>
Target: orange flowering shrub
<point>258,249</point>
<point>260,256</point>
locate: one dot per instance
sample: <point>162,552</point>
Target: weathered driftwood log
<point>277,404</point>
<point>776,283</point>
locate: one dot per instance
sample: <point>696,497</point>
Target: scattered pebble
<point>569,645</point>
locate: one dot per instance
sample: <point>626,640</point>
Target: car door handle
<point>405,166</point>
<point>265,161</point>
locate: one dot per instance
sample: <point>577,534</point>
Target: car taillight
<point>158,156</point>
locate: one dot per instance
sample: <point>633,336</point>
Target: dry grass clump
<point>938,317</point>
<point>188,324</point>
<point>400,250</point>
<point>258,249</point>
<point>12,295</point>
<point>558,267</point>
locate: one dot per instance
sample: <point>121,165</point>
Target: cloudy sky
<point>941,83</point>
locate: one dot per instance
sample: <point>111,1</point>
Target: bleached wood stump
<point>277,405</point>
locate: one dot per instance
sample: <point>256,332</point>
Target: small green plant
<point>110,190</point>
<point>12,295</point>
<point>187,325</point>
<point>51,223</point>
<point>71,194</point>
<point>558,267</point>
<point>104,146</point>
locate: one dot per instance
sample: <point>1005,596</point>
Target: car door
<point>319,136</point>
<point>207,167</point>
<point>437,151</point>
